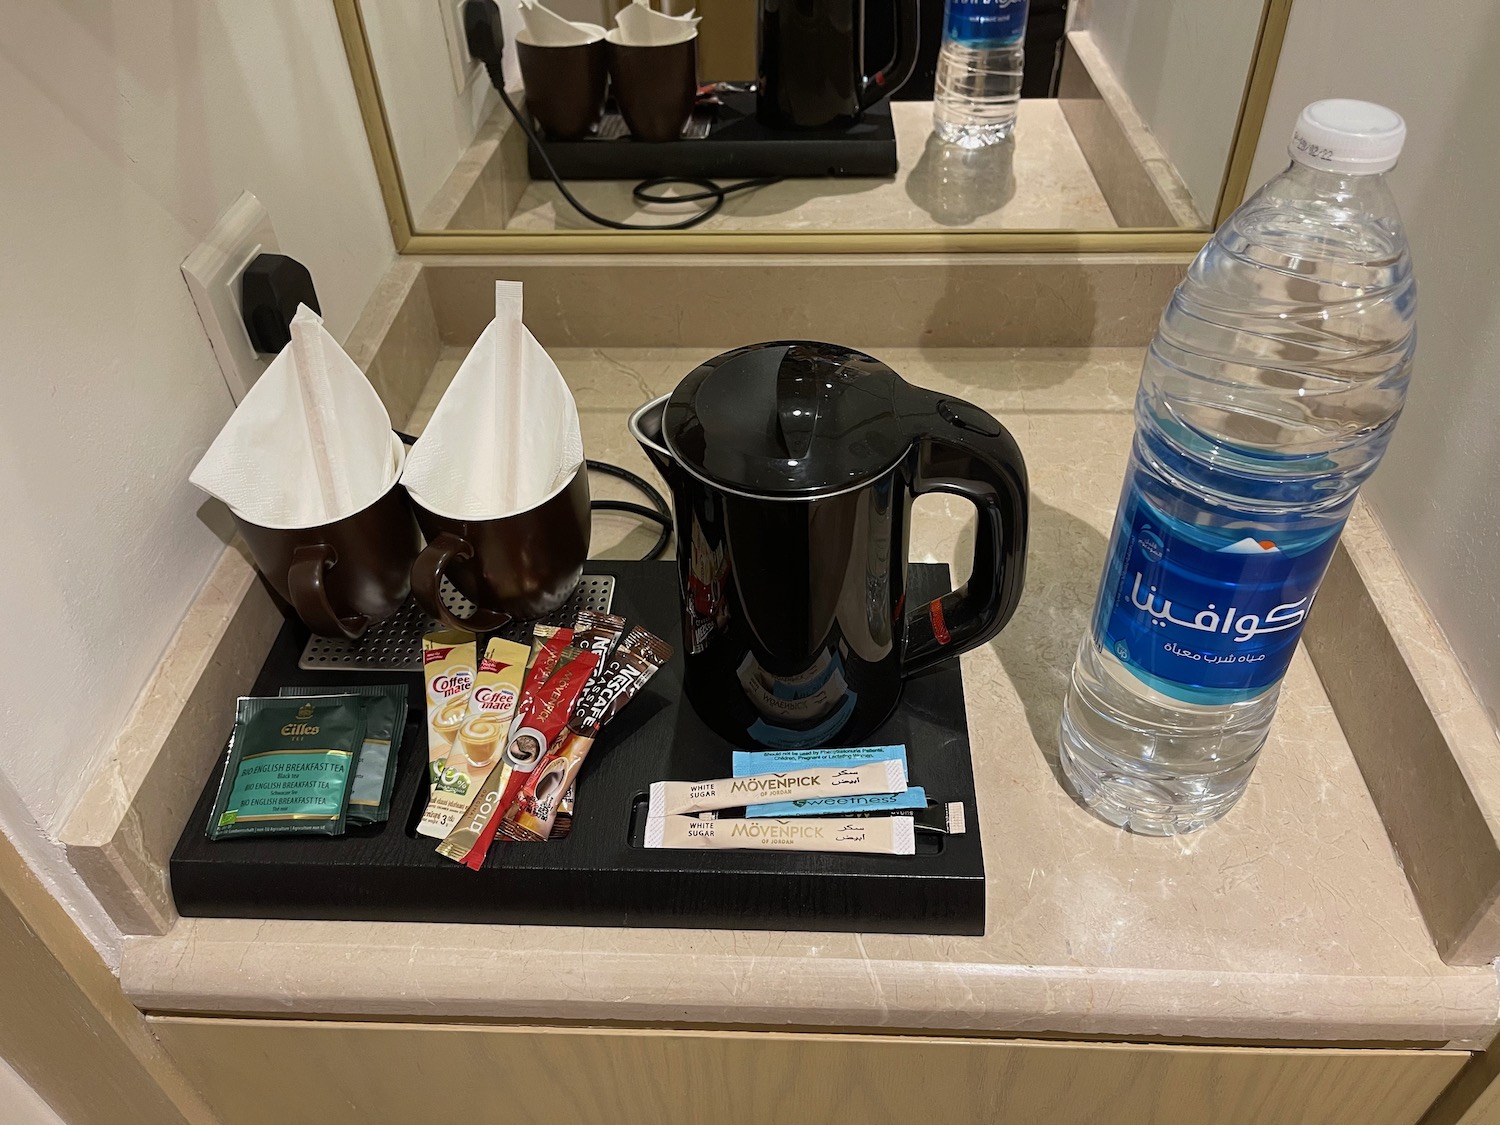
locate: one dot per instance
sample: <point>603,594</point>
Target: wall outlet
<point>465,68</point>
<point>213,272</point>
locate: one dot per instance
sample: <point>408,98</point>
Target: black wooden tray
<point>726,142</point>
<point>600,876</point>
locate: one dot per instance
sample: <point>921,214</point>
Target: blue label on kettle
<point>1207,613</point>
<point>992,22</point>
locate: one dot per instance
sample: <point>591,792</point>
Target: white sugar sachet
<point>640,25</point>
<point>545,28</point>
<point>505,435</point>
<point>311,441</point>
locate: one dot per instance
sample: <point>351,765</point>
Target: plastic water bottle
<point>979,71</point>
<point>1267,398</point>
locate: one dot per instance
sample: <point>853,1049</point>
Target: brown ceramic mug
<point>519,566</point>
<point>341,577</point>
<point>564,86</point>
<point>655,87</point>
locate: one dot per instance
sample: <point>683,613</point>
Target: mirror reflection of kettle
<point>812,66</point>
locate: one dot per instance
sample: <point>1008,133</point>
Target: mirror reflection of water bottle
<point>978,83</point>
<point>957,186</point>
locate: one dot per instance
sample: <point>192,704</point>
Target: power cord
<point>486,42</point>
<point>658,513</point>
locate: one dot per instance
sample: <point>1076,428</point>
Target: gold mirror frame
<point>1137,240</point>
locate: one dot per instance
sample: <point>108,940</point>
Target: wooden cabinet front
<point>276,1072</point>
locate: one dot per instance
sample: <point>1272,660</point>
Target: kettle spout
<point>645,426</point>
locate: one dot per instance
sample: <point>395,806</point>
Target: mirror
<point>1127,120</point>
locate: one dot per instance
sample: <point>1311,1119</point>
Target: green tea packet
<point>289,768</point>
<point>375,771</point>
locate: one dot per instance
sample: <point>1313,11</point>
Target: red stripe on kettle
<point>939,627</point>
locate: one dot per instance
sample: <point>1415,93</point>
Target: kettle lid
<point>793,419</point>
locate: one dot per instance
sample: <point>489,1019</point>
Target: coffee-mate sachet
<point>479,739</point>
<point>448,669</point>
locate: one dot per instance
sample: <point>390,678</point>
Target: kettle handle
<point>891,77</point>
<point>975,457</point>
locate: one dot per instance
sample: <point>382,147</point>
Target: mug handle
<point>309,594</point>
<point>976,458</point>
<point>427,583</point>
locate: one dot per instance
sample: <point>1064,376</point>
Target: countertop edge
<point>185,973</point>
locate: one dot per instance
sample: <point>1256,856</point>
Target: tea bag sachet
<point>289,766</point>
<point>505,435</point>
<point>375,770</point>
<point>309,444</point>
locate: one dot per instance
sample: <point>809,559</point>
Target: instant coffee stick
<point>564,822</point>
<point>550,705</point>
<point>529,738</point>
<point>635,661</point>
<point>680,797</point>
<point>550,647</point>
<point>470,842</point>
<point>477,818</point>
<point>547,645</point>
<point>598,632</point>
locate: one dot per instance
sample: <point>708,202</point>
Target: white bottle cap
<point>1344,135</point>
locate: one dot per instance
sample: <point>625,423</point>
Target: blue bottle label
<point>1206,610</point>
<point>997,22</point>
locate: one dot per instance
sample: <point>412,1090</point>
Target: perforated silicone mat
<point>395,644</point>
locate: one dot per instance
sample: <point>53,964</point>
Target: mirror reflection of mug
<point>525,749</point>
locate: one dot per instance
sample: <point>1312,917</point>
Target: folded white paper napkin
<point>640,25</point>
<point>545,28</point>
<point>505,435</point>
<point>310,442</point>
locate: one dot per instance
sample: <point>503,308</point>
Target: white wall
<point>127,128</point>
<point>21,1105</point>
<point>1184,64</point>
<point>1438,491</point>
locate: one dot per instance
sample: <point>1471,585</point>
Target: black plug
<point>483,31</point>
<point>271,288</point>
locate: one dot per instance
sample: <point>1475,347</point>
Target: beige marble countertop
<point>1042,181</point>
<point>1289,920</point>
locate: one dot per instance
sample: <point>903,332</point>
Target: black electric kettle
<point>811,72</point>
<point>792,467</point>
